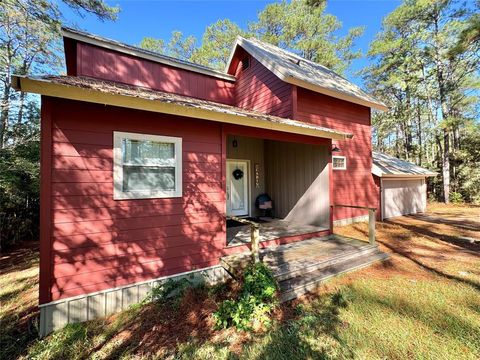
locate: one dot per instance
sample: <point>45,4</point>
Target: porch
<point>302,266</point>
<point>289,174</point>
<point>239,233</point>
<point>295,237</point>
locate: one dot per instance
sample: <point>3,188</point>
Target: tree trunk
<point>4,113</point>
<point>444,116</point>
<point>419,135</point>
<point>20,108</point>
<point>446,166</point>
<point>456,138</point>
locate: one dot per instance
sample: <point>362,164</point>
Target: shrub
<point>169,290</point>
<point>256,300</point>
<point>456,197</point>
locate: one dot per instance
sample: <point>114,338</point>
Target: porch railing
<point>254,236</point>
<point>371,219</point>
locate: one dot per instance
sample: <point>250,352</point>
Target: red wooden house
<point>144,157</point>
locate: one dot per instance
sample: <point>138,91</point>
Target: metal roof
<point>296,70</point>
<point>288,66</point>
<point>135,97</point>
<point>388,166</point>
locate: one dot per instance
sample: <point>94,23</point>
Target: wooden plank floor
<point>298,254</point>
<point>269,230</point>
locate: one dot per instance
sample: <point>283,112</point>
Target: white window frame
<point>344,167</point>
<point>118,193</point>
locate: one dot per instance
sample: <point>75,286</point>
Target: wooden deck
<point>269,230</point>
<point>301,266</point>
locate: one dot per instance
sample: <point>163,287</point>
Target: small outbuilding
<point>402,185</point>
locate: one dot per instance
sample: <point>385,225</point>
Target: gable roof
<point>136,97</point>
<point>304,73</point>
<point>142,53</point>
<point>286,65</point>
<point>388,166</point>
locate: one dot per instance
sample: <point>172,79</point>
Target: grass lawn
<point>423,303</point>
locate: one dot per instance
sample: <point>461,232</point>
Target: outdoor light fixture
<point>235,143</point>
<point>335,148</point>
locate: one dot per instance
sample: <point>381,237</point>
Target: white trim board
<point>248,184</point>
<point>224,114</point>
<point>118,165</point>
<point>344,167</point>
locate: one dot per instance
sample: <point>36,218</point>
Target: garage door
<point>403,197</point>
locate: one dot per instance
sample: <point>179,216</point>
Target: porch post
<point>330,219</point>
<point>255,234</point>
<point>371,226</point>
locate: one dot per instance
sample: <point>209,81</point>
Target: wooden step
<point>289,260</point>
<point>296,268</point>
<point>293,287</point>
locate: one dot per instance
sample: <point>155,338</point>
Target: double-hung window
<point>147,166</point>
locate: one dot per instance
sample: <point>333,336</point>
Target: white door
<point>403,197</point>
<point>237,188</point>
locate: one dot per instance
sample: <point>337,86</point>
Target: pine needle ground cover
<point>422,303</point>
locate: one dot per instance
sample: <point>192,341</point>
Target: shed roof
<point>296,70</point>
<point>388,166</point>
<point>135,97</point>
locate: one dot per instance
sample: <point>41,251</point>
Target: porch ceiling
<point>134,97</point>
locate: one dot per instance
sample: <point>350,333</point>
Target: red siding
<point>92,242</point>
<point>354,186</point>
<point>259,89</point>
<point>110,65</point>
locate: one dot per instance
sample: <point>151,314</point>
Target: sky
<point>158,18</point>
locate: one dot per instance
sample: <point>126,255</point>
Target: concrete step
<point>296,286</point>
<point>293,269</point>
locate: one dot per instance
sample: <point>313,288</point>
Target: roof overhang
<point>406,176</point>
<point>270,65</point>
<point>224,113</point>
<point>142,53</point>
<point>381,174</point>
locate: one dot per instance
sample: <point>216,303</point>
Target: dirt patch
<point>21,256</point>
<point>158,328</point>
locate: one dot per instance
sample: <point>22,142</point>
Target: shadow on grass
<point>408,255</point>
<point>461,224</point>
<point>24,285</point>
<point>314,333</point>
<point>19,311</point>
<point>454,240</point>
<point>22,257</point>
<point>143,330</point>
<point>185,329</point>
<point>432,313</point>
